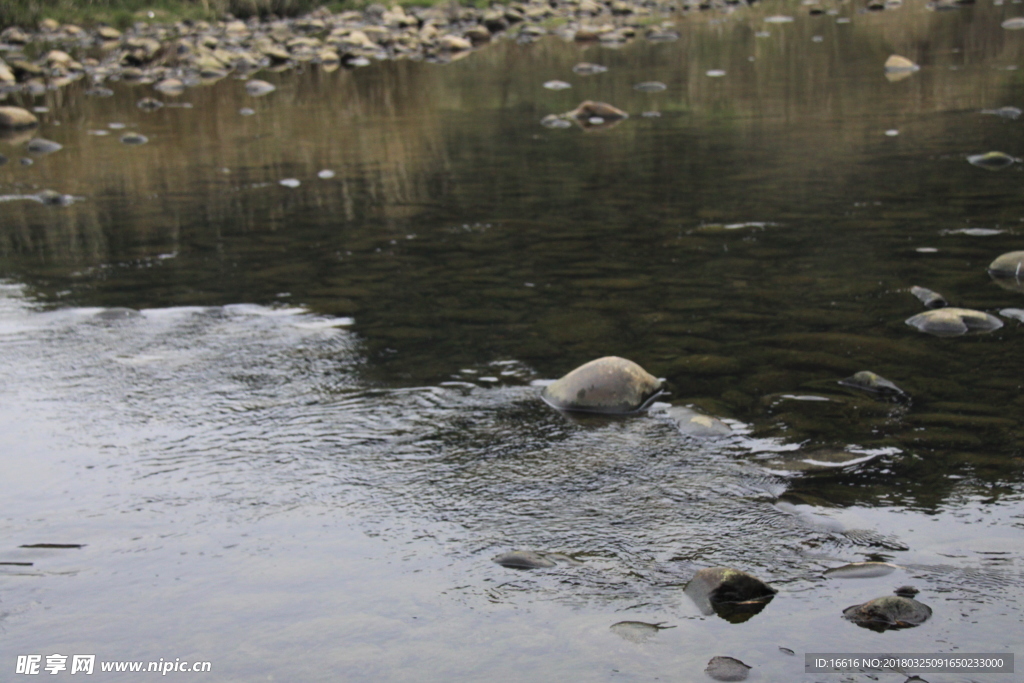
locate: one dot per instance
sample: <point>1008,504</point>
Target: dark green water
<point>299,460</point>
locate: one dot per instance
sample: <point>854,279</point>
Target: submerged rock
<point>992,161</point>
<point>889,612</point>
<point>692,423</point>
<point>134,139</point>
<point>149,104</point>
<point>555,121</point>
<point>16,117</point>
<point>727,669</point>
<point>1013,24</point>
<point>869,381</point>
<point>861,570</point>
<point>953,322</point>
<point>637,631</point>
<point>929,298</point>
<point>730,593</point>
<point>1013,313</point>
<point>609,385</point>
<point>1012,113</point>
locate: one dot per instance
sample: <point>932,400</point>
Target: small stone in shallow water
<point>325,174</point>
<point>134,139</point>
<point>610,385</point>
<point>992,161</point>
<point>869,381</point>
<point>1013,24</point>
<point>290,182</point>
<point>1012,113</point>
<point>557,85</point>
<point>889,612</point>
<point>974,232</point>
<point>727,669</point>
<point>637,631</point>
<point>778,19</point>
<point>246,111</point>
<point>116,125</point>
<point>170,86</point>
<point>1013,313</point>
<point>861,570</point>
<point>524,559</point>
<point>99,92</point>
<point>953,322</point>
<point>555,121</point>
<point>650,86</point>
<point>651,114</point>
<point>43,146</point>
<point>715,73</point>
<point>589,69</point>
<point>892,132</point>
<point>590,109</point>
<point>258,88</point>
<point>149,104</point>
<point>899,64</point>
<point>17,117</point>
<point>692,423</point>
<point>929,298</point>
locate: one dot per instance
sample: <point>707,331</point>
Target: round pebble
<point>325,174</point>
<point>290,182</point>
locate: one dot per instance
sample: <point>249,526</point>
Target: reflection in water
<point>371,418</point>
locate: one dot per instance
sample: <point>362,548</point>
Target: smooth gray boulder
<point>609,385</point>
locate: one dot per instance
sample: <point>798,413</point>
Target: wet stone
<point>692,423</point>
<point>149,104</point>
<point>524,559</point>
<point>609,385</point>
<point>99,92</point>
<point>869,381</point>
<point>557,85</point>
<point>889,612</point>
<point>953,322</point>
<point>43,146</point>
<point>134,139</point>
<point>637,631</point>
<point>54,198</point>
<point>258,88</point>
<point>589,69</point>
<point>555,121</point>
<point>929,298</point>
<point>1011,113</point>
<point>900,64</point>
<point>861,570</point>
<point>16,117</point>
<point>734,595</point>
<point>991,161</point>
<point>1010,264</point>
<point>1013,24</point>
<point>1013,314</point>
<point>589,109</point>
<point>727,669</point>
<point>650,86</point>
<point>170,86</point>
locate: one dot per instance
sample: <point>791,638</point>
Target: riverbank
<point>189,52</point>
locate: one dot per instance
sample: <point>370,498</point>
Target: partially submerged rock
<point>889,612</point>
<point>953,322</point>
<point>1010,264</point>
<point>650,86</point>
<point>900,64</point>
<point>43,146</point>
<point>692,423</point>
<point>992,161</point>
<point>258,88</point>
<point>929,298</point>
<point>610,385</point>
<point>16,117</point>
<point>730,593</point>
<point>876,384</point>
<point>589,109</point>
<point>532,559</point>
<point>727,669</point>
<point>589,69</point>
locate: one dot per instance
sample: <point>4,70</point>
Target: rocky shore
<point>187,53</point>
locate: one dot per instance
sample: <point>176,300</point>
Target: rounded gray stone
<point>610,385</point>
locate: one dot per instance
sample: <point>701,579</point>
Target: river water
<point>297,453</point>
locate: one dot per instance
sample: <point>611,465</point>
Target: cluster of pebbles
<point>186,53</point>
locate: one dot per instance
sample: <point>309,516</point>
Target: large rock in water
<point>16,117</point>
<point>589,109</point>
<point>730,593</point>
<point>609,385</point>
<point>889,612</point>
<point>1010,264</point>
<point>953,322</point>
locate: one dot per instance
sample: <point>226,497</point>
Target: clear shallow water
<point>298,460</point>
